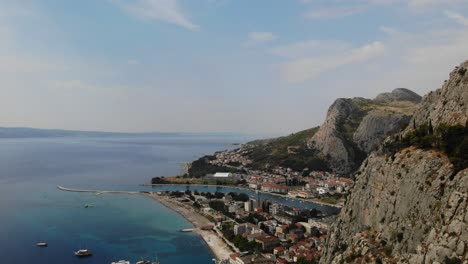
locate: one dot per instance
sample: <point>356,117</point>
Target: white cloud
<point>257,37</point>
<point>167,11</point>
<point>323,10</point>
<point>431,5</point>
<point>457,17</point>
<point>334,12</point>
<point>419,61</point>
<point>307,68</point>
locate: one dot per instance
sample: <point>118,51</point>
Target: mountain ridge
<point>410,205</point>
<point>355,126</point>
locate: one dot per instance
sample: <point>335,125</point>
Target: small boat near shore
<point>41,244</point>
<point>121,262</point>
<point>83,253</point>
<point>147,262</point>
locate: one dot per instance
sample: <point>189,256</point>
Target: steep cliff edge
<point>448,105</point>
<point>409,206</point>
<point>355,127</point>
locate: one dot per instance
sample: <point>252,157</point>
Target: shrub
<point>453,260</point>
<point>452,140</point>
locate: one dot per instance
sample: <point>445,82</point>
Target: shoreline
<point>247,189</point>
<point>217,246</point>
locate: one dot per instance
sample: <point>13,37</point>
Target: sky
<point>251,66</point>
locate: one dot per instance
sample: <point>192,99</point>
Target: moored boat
<point>121,262</point>
<point>83,253</point>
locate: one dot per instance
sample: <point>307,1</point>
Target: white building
<point>222,175</point>
<point>322,190</point>
<point>248,206</point>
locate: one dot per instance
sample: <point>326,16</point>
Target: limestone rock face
<point>376,126</point>
<point>399,94</point>
<point>354,127</point>
<point>410,207</point>
<point>447,105</point>
<point>330,141</point>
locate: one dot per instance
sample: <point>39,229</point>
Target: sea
<point>117,226</point>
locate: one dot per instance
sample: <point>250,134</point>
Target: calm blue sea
<point>127,227</point>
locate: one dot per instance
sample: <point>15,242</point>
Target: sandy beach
<point>216,244</point>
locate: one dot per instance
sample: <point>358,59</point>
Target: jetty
<point>97,192</point>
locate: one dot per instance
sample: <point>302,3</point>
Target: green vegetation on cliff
<point>288,152</point>
<point>201,167</point>
<point>452,140</point>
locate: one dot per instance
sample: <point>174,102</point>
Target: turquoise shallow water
<point>119,226</point>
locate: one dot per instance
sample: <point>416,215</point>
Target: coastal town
<point>243,228</point>
<point>317,186</point>
<point>240,229</point>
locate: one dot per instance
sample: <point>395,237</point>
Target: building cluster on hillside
<point>231,158</point>
<point>305,187</point>
<point>306,184</point>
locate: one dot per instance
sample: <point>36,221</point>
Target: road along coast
<point>316,201</point>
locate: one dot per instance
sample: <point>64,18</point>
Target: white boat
<point>83,253</point>
<point>121,262</point>
<point>147,262</point>
<point>41,244</point>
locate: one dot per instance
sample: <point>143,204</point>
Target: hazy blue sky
<point>257,66</point>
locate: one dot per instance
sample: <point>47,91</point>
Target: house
<point>322,190</point>
<point>248,206</point>
<point>275,188</point>
<point>254,186</point>
<point>276,209</point>
<point>278,250</point>
<point>307,226</point>
<point>246,228</point>
<point>233,208</point>
<point>269,225</point>
<point>268,242</point>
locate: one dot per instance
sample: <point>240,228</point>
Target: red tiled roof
<point>279,248</point>
<point>267,238</point>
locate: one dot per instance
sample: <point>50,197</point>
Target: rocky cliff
<point>354,127</point>
<point>409,206</point>
<point>399,94</point>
